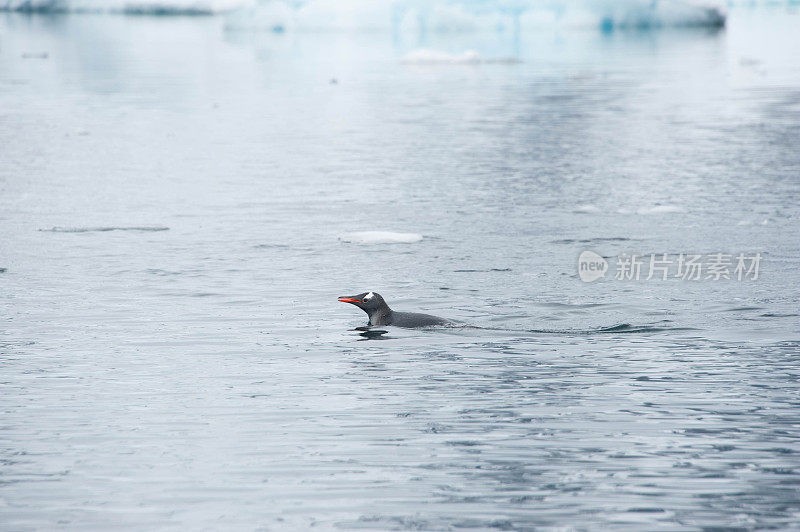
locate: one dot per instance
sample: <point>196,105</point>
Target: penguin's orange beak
<point>347,299</point>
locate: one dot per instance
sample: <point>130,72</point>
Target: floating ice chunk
<point>659,209</point>
<point>743,223</point>
<point>587,209</point>
<point>424,56</point>
<point>380,237</point>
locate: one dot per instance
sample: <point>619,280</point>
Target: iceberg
<point>423,16</point>
<point>35,6</point>
<point>129,7</point>
<point>403,16</point>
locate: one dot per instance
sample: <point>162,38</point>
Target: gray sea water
<point>172,354</point>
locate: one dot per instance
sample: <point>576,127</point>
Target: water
<point>173,354</point>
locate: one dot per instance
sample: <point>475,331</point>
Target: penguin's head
<point>368,301</point>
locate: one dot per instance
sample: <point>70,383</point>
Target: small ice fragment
<point>659,209</point>
<point>380,237</point>
<point>425,56</point>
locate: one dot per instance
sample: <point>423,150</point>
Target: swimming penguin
<point>380,314</point>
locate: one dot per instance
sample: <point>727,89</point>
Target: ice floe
<point>380,237</point>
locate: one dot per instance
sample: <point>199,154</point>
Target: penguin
<point>380,314</point>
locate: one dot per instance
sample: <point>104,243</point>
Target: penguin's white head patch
<point>369,296</point>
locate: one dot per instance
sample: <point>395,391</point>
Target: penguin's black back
<point>413,319</point>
